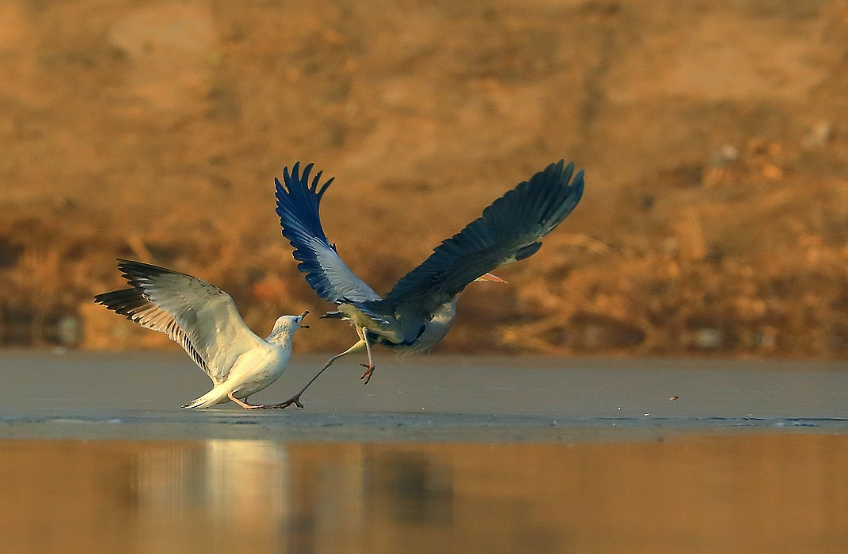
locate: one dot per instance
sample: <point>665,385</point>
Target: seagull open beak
<point>491,278</point>
<point>299,326</point>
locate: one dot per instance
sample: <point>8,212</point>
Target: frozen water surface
<point>134,395</point>
<point>438,454</point>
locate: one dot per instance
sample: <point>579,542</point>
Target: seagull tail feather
<point>215,396</point>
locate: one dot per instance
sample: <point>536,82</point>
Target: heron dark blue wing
<point>298,204</point>
<point>509,230</point>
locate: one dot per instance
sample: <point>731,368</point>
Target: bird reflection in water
<point>220,492</point>
<point>727,492</point>
<point>411,487</point>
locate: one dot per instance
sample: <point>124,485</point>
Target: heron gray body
<point>419,311</point>
<point>390,334</point>
<point>204,320</point>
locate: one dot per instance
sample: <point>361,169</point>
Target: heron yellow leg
<point>369,369</point>
<point>296,398</point>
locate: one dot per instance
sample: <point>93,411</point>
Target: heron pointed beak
<point>491,278</point>
<point>299,326</point>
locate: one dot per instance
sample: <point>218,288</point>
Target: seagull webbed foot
<point>369,370</point>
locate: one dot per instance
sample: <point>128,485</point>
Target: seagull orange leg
<point>244,404</point>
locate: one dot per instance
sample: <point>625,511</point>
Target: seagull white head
<point>285,326</point>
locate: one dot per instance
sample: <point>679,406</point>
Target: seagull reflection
<point>224,492</point>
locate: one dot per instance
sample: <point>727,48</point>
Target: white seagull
<point>204,320</point>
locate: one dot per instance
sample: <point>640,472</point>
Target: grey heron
<point>418,312</point>
<point>204,320</point>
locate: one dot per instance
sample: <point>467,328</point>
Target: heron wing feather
<point>508,230</point>
<point>298,204</point>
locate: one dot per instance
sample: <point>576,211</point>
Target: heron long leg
<point>296,398</point>
<point>243,403</point>
<point>369,369</point>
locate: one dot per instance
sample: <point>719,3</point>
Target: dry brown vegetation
<point>713,135</point>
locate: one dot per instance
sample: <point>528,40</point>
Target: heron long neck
<point>436,328</point>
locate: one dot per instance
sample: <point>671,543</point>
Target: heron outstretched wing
<point>298,205</point>
<point>509,230</point>
<point>200,317</point>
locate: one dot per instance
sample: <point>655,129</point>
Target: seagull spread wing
<point>298,205</point>
<point>200,317</point>
<point>509,230</point>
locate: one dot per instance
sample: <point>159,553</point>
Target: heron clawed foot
<point>369,369</point>
<point>283,405</point>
